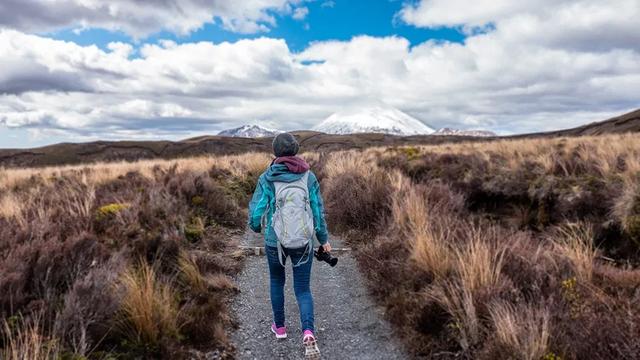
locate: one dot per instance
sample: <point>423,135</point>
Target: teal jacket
<point>264,201</point>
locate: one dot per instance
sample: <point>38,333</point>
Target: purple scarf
<point>295,164</point>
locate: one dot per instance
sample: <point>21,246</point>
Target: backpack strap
<point>307,252</point>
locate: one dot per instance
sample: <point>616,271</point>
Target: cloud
<point>140,18</point>
<point>328,4</point>
<point>300,13</point>
<point>577,24</point>
<point>531,71</point>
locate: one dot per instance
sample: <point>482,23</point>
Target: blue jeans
<point>301,280</point>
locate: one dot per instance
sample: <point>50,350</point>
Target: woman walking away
<point>288,198</point>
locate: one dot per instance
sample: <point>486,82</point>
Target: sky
<point>83,70</point>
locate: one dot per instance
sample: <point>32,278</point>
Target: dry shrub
<point>90,306</point>
<point>24,339</point>
<point>68,233</point>
<point>213,200</point>
<point>523,330</point>
<point>149,307</point>
<point>444,258</point>
<point>596,326</point>
<point>204,320</point>
<point>357,202</point>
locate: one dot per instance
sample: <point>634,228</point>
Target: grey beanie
<point>285,145</point>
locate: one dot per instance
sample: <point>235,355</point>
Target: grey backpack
<point>292,218</point>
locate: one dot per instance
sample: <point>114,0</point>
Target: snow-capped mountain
<point>249,131</point>
<point>376,119</point>
<point>458,132</point>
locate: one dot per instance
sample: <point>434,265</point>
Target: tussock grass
<point>149,306</point>
<point>479,260</point>
<point>100,173</point>
<point>575,242</point>
<point>491,286</point>
<point>67,234</point>
<point>432,225</point>
<point>351,162</point>
<point>10,206</point>
<point>458,301</point>
<point>190,273</point>
<point>24,340</point>
<point>524,330</point>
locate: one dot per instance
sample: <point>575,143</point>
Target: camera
<point>321,255</point>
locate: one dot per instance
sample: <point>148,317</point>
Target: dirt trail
<point>348,324</point>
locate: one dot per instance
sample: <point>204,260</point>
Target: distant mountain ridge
<point>76,153</point>
<point>629,122</point>
<point>458,132</point>
<point>249,131</point>
<point>375,119</point>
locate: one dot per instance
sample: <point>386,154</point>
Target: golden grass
<point>524,330</point>
<point>575,242</point>
<point>149,307</point>
<point>479,261</point>
<point>603,150</point>
<point>429,232</point>
<point>10,206</point>
<point>100,172</point>
<point>350,161</point>
<point>626,205</point>
<point>23,340</point>
<point>458,302</point>
<point>190,273</point>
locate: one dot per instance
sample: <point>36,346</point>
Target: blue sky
<point>326,20</point>
<point>84,70</point>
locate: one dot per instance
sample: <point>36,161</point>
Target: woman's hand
<point>326,247</point>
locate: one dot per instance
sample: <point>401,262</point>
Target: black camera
<point>322,255</point>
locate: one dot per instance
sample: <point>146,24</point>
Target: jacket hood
<point>295,164</point>
<point>281,173</point>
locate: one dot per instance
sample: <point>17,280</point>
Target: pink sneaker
<point>281,332</point>
<point>311,350</point>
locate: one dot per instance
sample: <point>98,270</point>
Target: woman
<point>285,170</point>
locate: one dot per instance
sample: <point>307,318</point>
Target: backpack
<point>293,219</point>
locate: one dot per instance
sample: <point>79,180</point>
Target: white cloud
<point>531,72</point>
<point>300,13</point>
<point>578,24</point>
<point>141,18</point>
<point>328,4</point>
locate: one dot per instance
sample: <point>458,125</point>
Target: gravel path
<point>348,324</point>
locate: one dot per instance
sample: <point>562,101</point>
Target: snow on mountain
<point>458,132</point>
<point>377,119</point>
<point>249,131</point>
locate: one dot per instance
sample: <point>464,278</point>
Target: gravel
<point>348,324</point>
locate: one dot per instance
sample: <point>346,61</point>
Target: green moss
<point>572,297</point>
<point>110,210</point>
<point>71,356</point>
<point>410,152</point>
<point>194,231</point>
<point>551,356</point>
<point>197,200</point>
<point>241,188</point>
